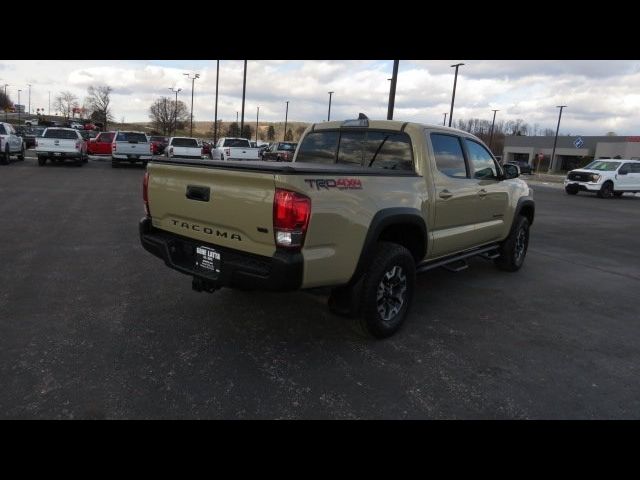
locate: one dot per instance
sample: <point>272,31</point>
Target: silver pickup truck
<point>60,144</point>
<point>130,147</point>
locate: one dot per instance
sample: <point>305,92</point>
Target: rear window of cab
<point>377,149</point>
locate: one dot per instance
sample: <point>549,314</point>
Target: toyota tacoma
<point>364,206</point>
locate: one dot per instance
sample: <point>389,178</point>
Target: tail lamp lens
<point>291,213</point>
<point>145,193</point>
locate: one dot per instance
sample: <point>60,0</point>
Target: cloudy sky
<point>601,96</point>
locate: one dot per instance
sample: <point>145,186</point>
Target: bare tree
<point>5,101</point>
<point>98,104</point>
<point>167,116</point>
<point>65,102</point>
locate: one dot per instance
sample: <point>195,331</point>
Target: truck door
<point>456,195</point>
<point>492,193</point>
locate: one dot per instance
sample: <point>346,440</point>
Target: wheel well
<point>409,236</point>
<point>527,212</point>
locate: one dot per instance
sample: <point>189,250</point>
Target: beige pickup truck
<point>363,208</point>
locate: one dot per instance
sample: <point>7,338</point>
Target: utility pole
<point>215,115</point>
<point>453,96</point>
<point>492,124</point>
<point>329,114</point>
<point>19,106</point>
<point>286,116</point>
<point>193,84</point>
<point>175,110</point>
<point>444,122</point>
<point>244,89</point>
<point>5,94</point>
<point>257,119</point>
<point>555,141</point>
<point>392,90</point>
<point>49,114</point>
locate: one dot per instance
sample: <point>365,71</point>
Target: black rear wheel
<point>571,189</point>
<point>387,290</point>
<point>514,249</point>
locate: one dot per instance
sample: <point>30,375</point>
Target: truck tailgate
<point>224,207</point>
<point>56,145</point>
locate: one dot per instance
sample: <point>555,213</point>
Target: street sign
<point>578,142</point>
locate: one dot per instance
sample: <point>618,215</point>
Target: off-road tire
<point>21,154</point>
<point>6,156</point>
<point>42,161</point>
<point>571,189</point>
<point>514,249</point>
<point>390,278</point>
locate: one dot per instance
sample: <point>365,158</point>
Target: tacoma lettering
<point>207,230</point>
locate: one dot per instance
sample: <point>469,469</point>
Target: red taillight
<point>145,193</point>
<point>291,212</point>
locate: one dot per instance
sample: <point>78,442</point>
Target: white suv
<point>605,177</point>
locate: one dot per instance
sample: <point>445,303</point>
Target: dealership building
<point>571,151</point>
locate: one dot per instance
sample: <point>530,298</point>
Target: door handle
<point>445,194</point>
<point>482,192</point>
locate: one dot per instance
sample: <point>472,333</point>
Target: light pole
<point>19,106</point>
<point>244,89</point>
<point>29,98</point>
<point>392,90</point>
<point>193,84</point>
<point>453,96</point>
<point>286,116</point>
<point>329,114</point>
<point>5,95</point>
<point>444,122</point>
<point>257,119</point>
<point>49,114</point>
<point>492,124</point>
<point>555,141</point>
<point>175,110</point>
<point>215,115</point>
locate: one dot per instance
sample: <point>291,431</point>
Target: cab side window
<point>448,155</point>
<point>481,161</point>
<point>635,168</point>
<point>626,168</point>
<point>2,130</point>
<point>389,151</point>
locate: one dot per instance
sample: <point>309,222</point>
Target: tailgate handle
<point>201,194</point>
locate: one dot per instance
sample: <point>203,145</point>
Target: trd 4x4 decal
<point>339,183</point>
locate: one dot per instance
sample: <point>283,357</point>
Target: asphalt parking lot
<point>93,326</point>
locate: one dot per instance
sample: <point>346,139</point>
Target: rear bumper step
<point>281,272</point>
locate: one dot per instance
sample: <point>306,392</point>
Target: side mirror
<point>510,171</point>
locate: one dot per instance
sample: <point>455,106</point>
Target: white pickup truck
<point>60,144</point>
<point>131,147</point>
<point>229,148</point>
<point>183,147</point>
<point>10,143</point>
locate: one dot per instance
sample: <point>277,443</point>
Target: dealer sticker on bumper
<point>208,259</point>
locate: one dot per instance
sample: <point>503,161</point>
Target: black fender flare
<point>529,203</point>
<point>381,220</point>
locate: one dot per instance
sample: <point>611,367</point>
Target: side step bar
<point>487,252</point>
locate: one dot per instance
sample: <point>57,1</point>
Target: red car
<point>158,144</point>
<point>101,145</point>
